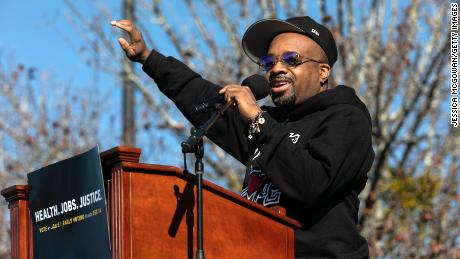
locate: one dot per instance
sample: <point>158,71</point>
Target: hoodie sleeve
<point>187,88</point>
<point>332,159</point>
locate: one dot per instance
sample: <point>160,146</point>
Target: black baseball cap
<point>258,36</point>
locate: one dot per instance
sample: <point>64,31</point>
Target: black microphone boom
<point>259,87</point>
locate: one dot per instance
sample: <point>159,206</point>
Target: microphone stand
<point>194,144</point>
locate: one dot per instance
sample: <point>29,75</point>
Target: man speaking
<point>310,154</point>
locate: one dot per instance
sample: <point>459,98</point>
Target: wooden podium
<point>151,213</point>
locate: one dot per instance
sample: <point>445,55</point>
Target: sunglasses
<point>289,59</point>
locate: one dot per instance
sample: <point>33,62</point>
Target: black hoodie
<point>312,159</point>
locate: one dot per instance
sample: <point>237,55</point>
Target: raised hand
<point>135,49</point>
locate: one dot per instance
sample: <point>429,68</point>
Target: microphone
<point>259,87</point>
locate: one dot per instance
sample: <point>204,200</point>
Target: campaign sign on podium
<point>68,209</point>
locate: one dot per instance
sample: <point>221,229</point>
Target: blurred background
<point>66,86</point>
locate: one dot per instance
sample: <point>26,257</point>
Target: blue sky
<point>37,34</point>
<point>28,38</point>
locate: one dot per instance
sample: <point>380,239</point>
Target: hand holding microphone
<point>253,88</point>
<point>242,96</point>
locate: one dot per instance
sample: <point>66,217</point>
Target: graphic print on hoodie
<point>258,187</point>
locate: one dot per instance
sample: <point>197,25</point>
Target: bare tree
<point>128,104</point>
<point>41,121</point>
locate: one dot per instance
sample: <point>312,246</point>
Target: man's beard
<point>286,99</point>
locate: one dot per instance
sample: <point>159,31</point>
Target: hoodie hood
<point>339,95</point>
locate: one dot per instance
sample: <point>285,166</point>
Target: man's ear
<point>324,71</point>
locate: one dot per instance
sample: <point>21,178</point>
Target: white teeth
<point>278,84</point>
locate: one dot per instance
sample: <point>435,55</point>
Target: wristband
<point>254,127</point>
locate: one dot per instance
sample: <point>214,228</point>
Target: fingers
<point>229,92</point>
<point>237,93</point>
<point>128,26</point>
<point>126,47</point>
<point>135,48</point>
<point>245,102</point>
<point>123,43</point>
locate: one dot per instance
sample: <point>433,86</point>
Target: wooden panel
<point>163,223</point>
<point>151,212</point>
<point>20,222</point>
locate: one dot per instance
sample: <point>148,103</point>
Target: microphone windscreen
<point>259,86</point>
